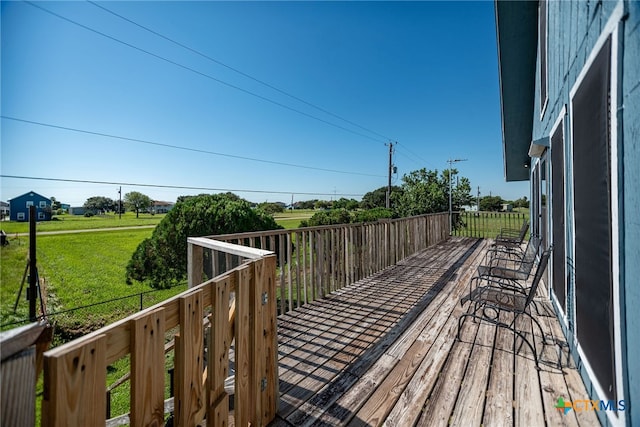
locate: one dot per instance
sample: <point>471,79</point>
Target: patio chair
<point>514,268</point>
<point>512,238</point>
<point>491,300</point>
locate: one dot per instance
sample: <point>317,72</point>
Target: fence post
<point>194,264</point>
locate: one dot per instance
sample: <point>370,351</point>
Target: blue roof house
<point>20,207</point>
<point>570,105</point>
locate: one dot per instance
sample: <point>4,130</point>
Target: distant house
<point>4,210</point>
<point>19,207</point>
<point>507,207</point>
<point>569,85</point>
<point>76,210</point>
<point>158,207</point>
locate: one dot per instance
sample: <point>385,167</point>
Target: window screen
<point>557,215</point>
<point>592,187</point>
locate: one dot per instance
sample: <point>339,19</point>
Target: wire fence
<point>85,318</point>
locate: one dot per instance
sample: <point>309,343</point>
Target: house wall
<point>19,205</point>
<point>573,31</point>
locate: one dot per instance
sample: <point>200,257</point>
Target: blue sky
<point>423,74</point>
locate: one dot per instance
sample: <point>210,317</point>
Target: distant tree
<point>161,260</point>
<point>137,202</point>
<point>305,204</point>
<point>328,217</point>
<point>271,208</point>
<point>97,204</point>
<point>344,203</point>
<point>371,215</point>
<point>521,202</point>
<point>55,204</point>
<point>322,204</point>
<point>491,203</point>
<point>378,198</point>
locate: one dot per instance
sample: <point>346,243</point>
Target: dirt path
<point>90,230</point>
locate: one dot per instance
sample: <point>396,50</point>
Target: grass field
<point>292,219</point>
<point>489,224</point>
<point>87,268</point>
<point>80,269</point>
<point>79,222</point>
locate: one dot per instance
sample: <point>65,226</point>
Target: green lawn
<point>292,219</point>
<point>80,269</point>
<point>489,224</point>
<point>79,222</point>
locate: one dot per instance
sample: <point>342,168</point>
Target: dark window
<point>557,215</point>
<point>592,190</point>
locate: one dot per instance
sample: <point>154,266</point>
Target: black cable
<point>197,52</point>
<point>179,187</point>
<point>177,64</point>
<point>177,147</point>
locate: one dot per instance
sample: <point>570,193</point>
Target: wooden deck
<point>383,351</point>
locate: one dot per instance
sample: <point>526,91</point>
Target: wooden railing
<point>199,327</point>
<point>314,261</point>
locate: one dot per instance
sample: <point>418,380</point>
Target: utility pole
<point>120,202</point>
<point>451,162</point>
<point>388,200</point>
<point>478,199</point>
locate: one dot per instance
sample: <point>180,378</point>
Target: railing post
<point>74,385</point>
<point>194,264</point>
<point>189,399</point>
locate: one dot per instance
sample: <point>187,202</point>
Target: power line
<point>262,82</point>
<point>403,147</point>
<point>177,147</point>
<point>178,187</point>
<point>208,76</point>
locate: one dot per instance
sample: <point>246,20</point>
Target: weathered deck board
<point>382,351</point>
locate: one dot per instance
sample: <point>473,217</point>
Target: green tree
<point>329,217</point>
<point>491,203</point>
<point>371,215</point>
<point>424,191</point>
<point>55,204</point>
<point>271,207</point>
<point>344,203</point>
<point>161,260</point>
<point>305,204</point>
<point>521,202</point>
<point>322,204</point>
<point>137,202</point>
<point>378,197</point>
<point>97,204</point>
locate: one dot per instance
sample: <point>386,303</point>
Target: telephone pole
<point>120,202</point>
<point>478,199</point>
<point>388,200</point>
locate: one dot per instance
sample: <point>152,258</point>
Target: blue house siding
<point>20,210</point>
<point>575,30</point>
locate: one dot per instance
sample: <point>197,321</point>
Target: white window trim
<point>43,204</point>
<point>41,215</point>
<point>560,121</point>
<point>20,215</point>
<point>544,102</point>
<point>616,418</point>
<point>29,203</point>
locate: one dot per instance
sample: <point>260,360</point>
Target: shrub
<point>161,259</point>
